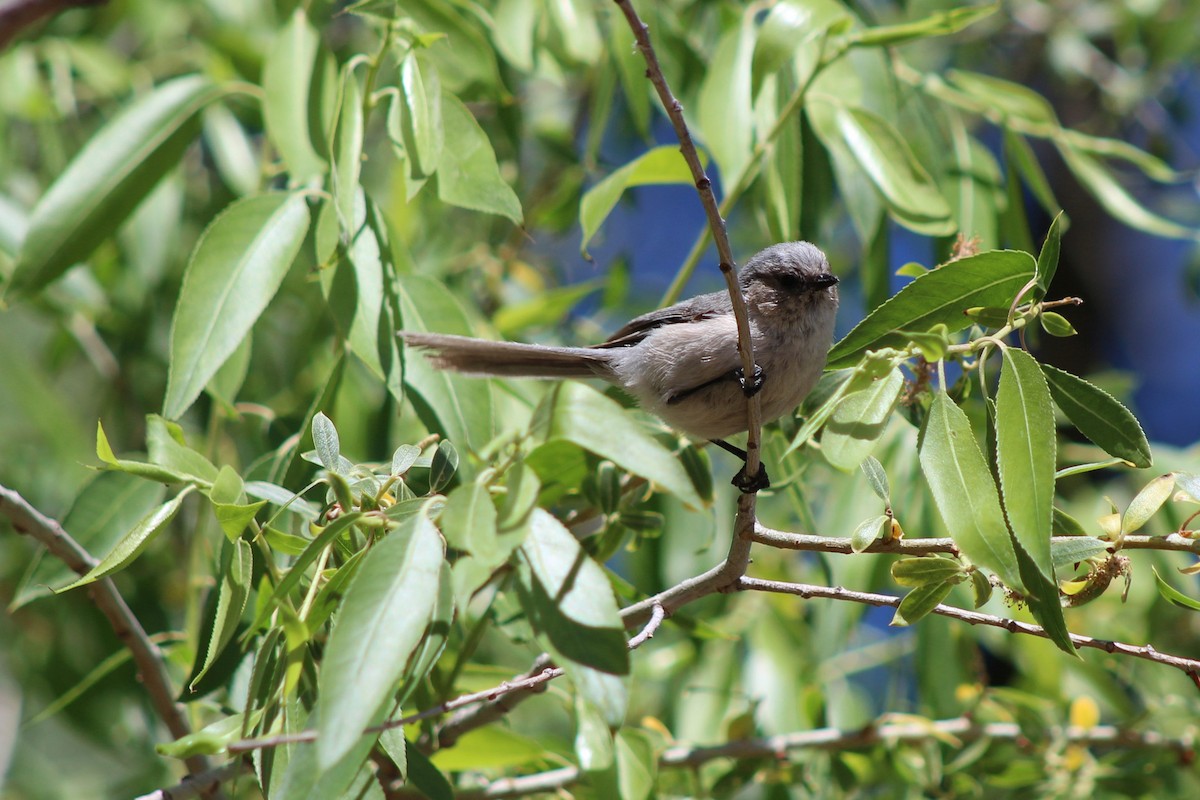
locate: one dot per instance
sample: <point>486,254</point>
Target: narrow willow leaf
<point>237,572</point>
<point>381,623</point>
<point>877,478</point>
<point>457,406</point>
<point>637,764</point>
<point>1042,596</point>
<point>660,166</point>
<point>134,542</point>
<point>1116,199</point>
<point>421,116</point>
<point>1025,455</point>
<point>443,466</point>
<point>919,602</point>
<point>469,523</point>
<point>725,94</point>
<point>235,270</point>
<point>209,741</point>
<point>929,569</point>
<point>294,75</point>
<point>569,599</point>
<point>1004,96</point>
<point>436,634</point>
<point>1047,262</point>
<point>859,421</point>
<point>234,156</point>
<point>938,297</point>
<point>296,572</point>
<point>593,739</point>
<point>326,442</point>
<point>467,173</point>
<point>1056,324</point>
<point>964,491</point>
<point>107,179</point>
<point>347,152</point>
<point>1173,595</point>
<point>491,747</point>
<point>888,161</point>
<point>167,448</point>
<point>1099,417</point>
<point>1021,159</point>
<point>108,506</point>
<point>548,307</point>
<point>940,23</point>
<point>151,472</point>
<point>1147,502</point>
<point>579,414</point>
<point>1189,484</point>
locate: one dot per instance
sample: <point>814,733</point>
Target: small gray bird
<point>681,363</point>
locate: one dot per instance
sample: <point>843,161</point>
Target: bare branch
<point>687,147</point>
<point>657,614</point>
<point>17,15</point>
<point>1190,667</point>
<point>883,731</point>
<point>146,654</point>
<point>201,784</point>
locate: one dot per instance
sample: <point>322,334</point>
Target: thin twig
<point>17,15</point>
<point>884,731</point>
<point>146,655</point>
<point>716,223</point>
<point>657,614</point>
<point>786,540</point>
<point>200,784</point>
<point>1189,666</point>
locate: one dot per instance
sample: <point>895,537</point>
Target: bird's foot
<point>747,484</point>
<point>754,384</point>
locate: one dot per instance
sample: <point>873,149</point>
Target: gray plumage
<point>681,362</point>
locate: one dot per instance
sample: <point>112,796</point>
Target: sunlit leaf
<point>297,76</point>
<point>859,421</point>
<point>467,173</point>
<point>965,492</point>
<point>1147,502</point>
<point>107,179</point>
<point>1173,595</point>
<point>235,270</point>
<point>1099,416</point>
<point>661,165</point>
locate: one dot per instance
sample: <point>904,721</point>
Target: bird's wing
<point>694,310</point>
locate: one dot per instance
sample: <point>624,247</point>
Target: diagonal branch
<point>149,659</point>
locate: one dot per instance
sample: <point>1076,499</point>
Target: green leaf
<point>1047,262</point>
<point>296,572</point>
<point>867,533</point>
<point>296,74</point>
<point>105,508</point>
<point>467,173</point>
<point>420,119</point>
<point>1147,502</point>
<point>940,23</point>
<point>929,569</point>
<point>326,442</point>
<point>457,406</point>
<point>167,448</point>
<point>881,152</point>
<point>877,478</point>
<point>593,740</point>
<point>859,421</point>
<point>1056,324</point>
<point>919,602</point>
<point>938,297</point>
<point>490,747</point>
<point>964,491</point>
<point>1025,455</point>
<point>1041,593</point>
<point>1173,595</point>
<point>660,166</point>
<point>1070,550</point>
<point>381,623</point>
<point>347,153</point>
<point>107,179</point>
<point>1005,97</point>
<point>237,571</point>
<point>1116,200</point>
<point>468,522</point>
<point>1019,155</point>
<point>1099,417</point>
<point>549,307</point>
<point>579,414</point>
<point>569,599</point>
<point>235,270</point>
<point>151,472</point>
<point>443,466</point>
<point>134,542</point>
<point>210,741</point>
<point>725,95</point>
<point>233,153</point>
<point>637,764</point>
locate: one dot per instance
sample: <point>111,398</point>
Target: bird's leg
<point>741,480</point>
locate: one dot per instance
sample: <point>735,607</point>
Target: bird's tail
<point>509,359</point>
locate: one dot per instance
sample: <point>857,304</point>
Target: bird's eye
<point>789,282</point>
